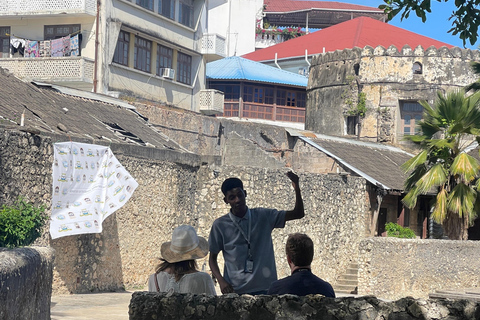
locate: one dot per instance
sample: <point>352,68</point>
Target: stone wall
<point>173,190</point>
<point>386,77</point>
<point>26,283</point>
<point>145,306</point>
<point>392,268</point>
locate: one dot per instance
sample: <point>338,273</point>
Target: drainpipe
<point>276,61</point>
<point>306,57</point>
<point>95,64</point>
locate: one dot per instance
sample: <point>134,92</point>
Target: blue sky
<point>435,27</point>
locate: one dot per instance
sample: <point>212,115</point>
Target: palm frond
<point>414,176</point>
<point>461,200</point>
<point>434,177</point>
<point>415,161</point>
<point>440,208</point>
<point>410,199</point>
<point>466,166</point>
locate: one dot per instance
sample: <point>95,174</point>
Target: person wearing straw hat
<point>177,271</point>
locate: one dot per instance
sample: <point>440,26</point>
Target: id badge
<point>249,266</point>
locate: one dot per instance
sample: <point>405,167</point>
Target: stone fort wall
<point>175,189</point>
<point>386,77</point>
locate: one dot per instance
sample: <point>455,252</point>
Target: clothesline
<point>61,47</point>
<point>12,35</point>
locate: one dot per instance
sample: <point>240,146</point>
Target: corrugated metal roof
<point>359,32</point>
<point>237,68</point>
<point>289,6</point>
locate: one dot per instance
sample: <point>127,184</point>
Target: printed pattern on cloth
<point>45,49</point>
<point>89,184</point>
<point>74,46</point>
<point>56,48</point>
<point>31,49</point>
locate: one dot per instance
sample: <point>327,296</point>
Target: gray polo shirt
<point>225,237</point>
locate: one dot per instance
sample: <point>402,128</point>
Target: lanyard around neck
<point>246,236</point>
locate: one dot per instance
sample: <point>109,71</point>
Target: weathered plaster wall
<point>175,189</point>
<point>386,77</point>
<point>26,283</point>
<point>391,268</point>
<point>145,306</point>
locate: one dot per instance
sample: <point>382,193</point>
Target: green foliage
<point>397,231</point>
<point>21,224</point>
<point>357,103</point>
<point>465,20</point>
<point>443,166</point>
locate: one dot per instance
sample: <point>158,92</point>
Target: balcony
<point>267,40</point>
<point>213,46</point>
<point>251,110</point>
<point>45,8</point>
<point>211,102</point>
<point>75,72</point>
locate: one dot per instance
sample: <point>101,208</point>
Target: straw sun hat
<point>185,245</point>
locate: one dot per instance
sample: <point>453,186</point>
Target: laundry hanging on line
<point>63,47</point>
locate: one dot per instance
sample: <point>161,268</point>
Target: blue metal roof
<point>237,68</point>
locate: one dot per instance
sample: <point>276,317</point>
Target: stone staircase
<point>348,283</point>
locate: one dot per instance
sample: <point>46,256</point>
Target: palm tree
<point>448,127</point>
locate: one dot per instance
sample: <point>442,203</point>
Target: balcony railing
<point>47,7</point>
<point>211,102</point>
<point>264,111</point>
<point>267,40</point>
<point>213,45</point>
<point>64,69</point>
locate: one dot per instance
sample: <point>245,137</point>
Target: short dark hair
<point>299,248</point>
<point>231,183</point>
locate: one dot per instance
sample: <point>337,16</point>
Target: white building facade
<point>151,49</point>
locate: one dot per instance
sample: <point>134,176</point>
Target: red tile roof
<point>359,32</point>
<point>289,5</point>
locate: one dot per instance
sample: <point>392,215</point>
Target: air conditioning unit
<point>167,73</point>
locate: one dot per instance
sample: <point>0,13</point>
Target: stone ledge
<point>147,305</point>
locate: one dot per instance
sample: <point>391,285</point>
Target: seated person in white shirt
<point>177,272</point>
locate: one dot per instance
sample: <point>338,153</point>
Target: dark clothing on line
<point>301,283</point>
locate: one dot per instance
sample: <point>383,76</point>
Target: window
<point>142,54</point>
<point>351,123</point>
<point>281,97</point>
<point>167,8</point>
<point>121,50</point>
<point>231,92</point>
<point>417,68</point>
<point>269,95</point>
<point>184,66</point>
<point>59,31</point>
<point>301,99</point>
<point>291,99</point>
<point>411,113</point>
<point>4,42</point>
<point>164,58</point>
<point>147,4</point>
<point>186,13</point>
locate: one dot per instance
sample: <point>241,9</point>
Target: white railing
<point>211,101</point>
<point>213,44</point>
<point>51,69</point>
<point>267,40</point>
<point>46,7</point>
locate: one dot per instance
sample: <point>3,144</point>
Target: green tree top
<point>465,20</point>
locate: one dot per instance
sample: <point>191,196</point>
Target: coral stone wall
<point>26,283</point>
<point>145,306</point>
<point>177,188</point>
<point>392,268</point>
<point>386,77</point>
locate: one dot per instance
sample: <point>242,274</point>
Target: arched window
<point>417,68</point>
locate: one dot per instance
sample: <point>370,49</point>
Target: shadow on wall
<point>89,262</point>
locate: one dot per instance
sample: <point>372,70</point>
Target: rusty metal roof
<point>47,110</point>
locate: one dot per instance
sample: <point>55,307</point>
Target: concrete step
<point>351,283</point>
<point>345,289</point>
<point>348,277</point>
